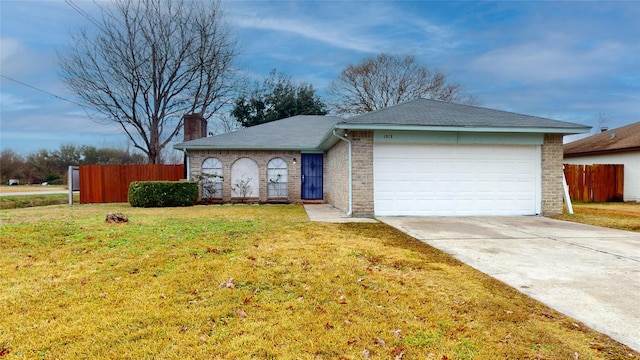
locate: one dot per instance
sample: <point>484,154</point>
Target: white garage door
<point>456,180</point>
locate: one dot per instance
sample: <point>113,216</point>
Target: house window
<point>277,175</point>
<point>212,178</point>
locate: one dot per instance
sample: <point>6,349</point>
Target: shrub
<point>163,193</point>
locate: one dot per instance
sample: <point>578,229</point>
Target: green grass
<point>24,201</point>
<point>256,282</point>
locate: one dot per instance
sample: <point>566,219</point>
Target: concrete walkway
<point>328,213</point>
<point>589,273</point>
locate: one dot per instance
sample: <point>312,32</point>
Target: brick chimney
<point>195,126</point>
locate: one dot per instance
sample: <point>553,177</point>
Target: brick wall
<point>552,190</point>
<point>195,127</point>
<point>362,160</point>
<point>262,158</point>
<point>336,176</point>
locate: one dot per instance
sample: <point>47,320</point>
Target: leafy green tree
<point>62,158</point>
<point>277,97</point>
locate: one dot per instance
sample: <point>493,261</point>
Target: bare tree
<point>224,123</point>
<point>150,63</point>
<point>384,80</point>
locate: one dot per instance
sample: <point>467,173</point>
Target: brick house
<point>421,158</point>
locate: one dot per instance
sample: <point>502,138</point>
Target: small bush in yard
<point>163,193</point>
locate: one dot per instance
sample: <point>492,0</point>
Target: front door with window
<point>312,176</point>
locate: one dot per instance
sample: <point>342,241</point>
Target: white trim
<point>566,131</point>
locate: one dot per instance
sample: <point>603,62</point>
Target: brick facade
<point>262,158</point>
<point>336,176</point>
<point>362,160</point>
<point>195,127</point>
<point>363,200</point>
<point>552,190</point>
<point>336,173</point>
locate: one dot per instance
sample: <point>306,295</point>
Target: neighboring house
<point>617,146</point>
<point>422,157</point>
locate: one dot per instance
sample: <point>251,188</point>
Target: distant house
<point>617,146</point>
<point>422,158</point>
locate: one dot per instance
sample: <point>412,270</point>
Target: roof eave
<point>546,130</point>
<point>602,152</point>
<point>238,147</point>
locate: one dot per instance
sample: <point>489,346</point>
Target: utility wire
<point>84,13</point>
<point>84,107</point>
<point>42,91</point>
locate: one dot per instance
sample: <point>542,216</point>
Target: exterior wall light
<point>295,161</point>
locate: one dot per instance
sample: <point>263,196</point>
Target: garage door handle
<point>302,178</point>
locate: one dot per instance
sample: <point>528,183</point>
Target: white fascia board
<point>565,131</point>
<point>248,148</point>
<point>328,141</point>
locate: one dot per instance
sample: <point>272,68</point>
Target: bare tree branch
<point>384,80</point>
<point>150,63</point>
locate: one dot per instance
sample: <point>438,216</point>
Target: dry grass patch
<point>261,282</point>
<point>617,215</point>
<point>4,189</point>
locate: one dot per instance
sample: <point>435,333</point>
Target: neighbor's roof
<point>302,132</point>
<point>626,138</point>
<point>424,114</point>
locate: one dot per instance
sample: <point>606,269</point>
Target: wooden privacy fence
<point>595,183</point>
<point>110,183</point>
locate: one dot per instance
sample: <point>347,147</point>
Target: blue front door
<point>311,176</point>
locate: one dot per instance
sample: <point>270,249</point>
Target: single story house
<point>617,146</point>
<point>419,158</point>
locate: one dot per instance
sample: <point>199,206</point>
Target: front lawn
<point>256,282</point>
<point>615,215</point>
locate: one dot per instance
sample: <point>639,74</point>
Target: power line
<point>84,13</point>
<point>42,91</point>
<point>84,107</point>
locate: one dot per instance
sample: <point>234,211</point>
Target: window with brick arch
<point>212,178</point>
<point>277,178</point>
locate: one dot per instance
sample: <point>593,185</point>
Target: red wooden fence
<point>595,183</point>
<point>110,183</point>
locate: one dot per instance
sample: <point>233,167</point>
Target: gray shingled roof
<point>433,113</point>
<point>303,132</point>
<point>309,132</point>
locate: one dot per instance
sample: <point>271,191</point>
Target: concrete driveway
<point>586,272</point>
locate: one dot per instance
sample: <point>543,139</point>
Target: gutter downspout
<point>350,212</point>
<point>187,164</point>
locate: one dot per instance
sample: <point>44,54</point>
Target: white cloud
<point>356,26</point>
<point>10,47</point>
<point>10,102</point>
<point>307,30</point>
<point>552,58</point>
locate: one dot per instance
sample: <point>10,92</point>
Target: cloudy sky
<point>567,60</point>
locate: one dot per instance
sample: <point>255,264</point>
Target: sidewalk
<point>328,213</point>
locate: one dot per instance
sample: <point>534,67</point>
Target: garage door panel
<point>450,180</point>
